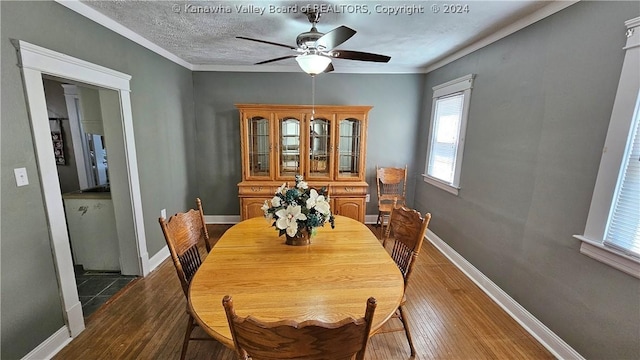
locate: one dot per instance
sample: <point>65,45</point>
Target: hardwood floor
<point>451,319</point>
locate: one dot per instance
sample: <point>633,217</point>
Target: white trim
<point>36,61</point>
<point>158,258</point>
<point>41,59</point>
<point>100,18</point>
<point>222,219</point>
<point>234,219</point>
<point>456,85</point>
<point>370,219</point>
<point>631,23</point>
<point>610,256</point>
<point>360,69</point>
<point>75,318</point>
<point>558,347</point>
<point>440,184</point>
<point>51,346</point>
<point>462,85</point>
<point>612,158</point>
<point>552,8</point>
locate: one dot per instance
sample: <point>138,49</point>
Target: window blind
<point>444,142</point>
<point>623,232</point>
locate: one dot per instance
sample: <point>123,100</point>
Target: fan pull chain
<point>313,96</point>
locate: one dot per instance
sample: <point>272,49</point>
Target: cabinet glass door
<point>289,159</point>
<point>349,148</point>
<point>259,154</point>
<point>320,148</point>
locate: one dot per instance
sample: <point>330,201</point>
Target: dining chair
<point>408,227</point>
<point>309,340</point>
<point>391,184</point>
<point>184,233</point>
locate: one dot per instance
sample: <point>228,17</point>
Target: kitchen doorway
<point>35,62</point>
<point>78,137</point>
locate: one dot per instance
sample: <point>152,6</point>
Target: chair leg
<point>187,336</point>
<point>405,323</point>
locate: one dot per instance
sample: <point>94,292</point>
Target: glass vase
<point>301,238</point>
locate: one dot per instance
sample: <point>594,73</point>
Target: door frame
<point>34,62</point>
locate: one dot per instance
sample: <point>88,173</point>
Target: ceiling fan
<point>315,49</point>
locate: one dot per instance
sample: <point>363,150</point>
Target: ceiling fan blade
<point>329,68</point>
<point>276,59</point>
<point>266,42</point>
<point>335,37</point>
<point>359,55</point>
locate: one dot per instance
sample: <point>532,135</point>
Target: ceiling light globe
<point>313,64</point>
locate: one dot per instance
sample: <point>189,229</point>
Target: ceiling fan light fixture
<point>313,64</point>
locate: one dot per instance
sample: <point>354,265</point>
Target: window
<point>612,233</point>
<point>446,135</point>
<point>623,229</point>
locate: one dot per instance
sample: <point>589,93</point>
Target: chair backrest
<point>183,232</point>
<point>408,228</point>
<point>391,183</point>
<point>310,340</point>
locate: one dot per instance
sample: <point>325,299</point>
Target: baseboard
<point>158,258</point>
<point>234,219</point>
<point>533,326</point>
<point>370,219</point>
<point>222,219</point>
<point>48,348</point>
<point>75,319</point>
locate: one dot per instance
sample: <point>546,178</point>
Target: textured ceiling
<point>203,33</point>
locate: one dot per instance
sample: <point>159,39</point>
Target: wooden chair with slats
<point>184,232</point>
<point>408,227</point>
<point>391,183</point>
<point>310,340</point>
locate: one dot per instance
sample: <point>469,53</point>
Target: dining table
<point>328,280</point>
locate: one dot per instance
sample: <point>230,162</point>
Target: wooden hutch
<point>328,149</point>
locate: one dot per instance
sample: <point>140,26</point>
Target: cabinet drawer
<point>257,190</point>
<point>348,190</point>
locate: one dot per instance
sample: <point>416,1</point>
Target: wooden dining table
<point>328,280</point>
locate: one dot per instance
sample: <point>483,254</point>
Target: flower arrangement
<point>298,209</point>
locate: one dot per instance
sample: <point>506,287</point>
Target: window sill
<point>609,256</point>
<point>440,184</point>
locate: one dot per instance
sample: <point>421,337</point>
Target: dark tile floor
<point>95,288</point>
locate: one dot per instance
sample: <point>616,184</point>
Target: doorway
<point>78,136</point>
<point>35,62</point>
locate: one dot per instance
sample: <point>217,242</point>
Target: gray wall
<point>162,105</point>
<point>390,139</point>
<point>538,118</point>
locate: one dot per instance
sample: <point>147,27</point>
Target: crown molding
<point>118,28</point>
<point>295,69</point>
<point>550,9</point>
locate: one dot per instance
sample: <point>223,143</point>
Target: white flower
<point>318,202</point>
<point>276,201</point>
<point>302,185</point>
<point>282,189</point>
<point>322,206</point>
<point>265,209</point>
<point>288,219</point>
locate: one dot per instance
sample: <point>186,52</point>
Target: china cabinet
<point>326,144</point>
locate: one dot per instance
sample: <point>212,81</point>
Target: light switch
<point>21,176</point>
<point>163,213</point>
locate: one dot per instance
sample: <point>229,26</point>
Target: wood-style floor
<point>452,319</point>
